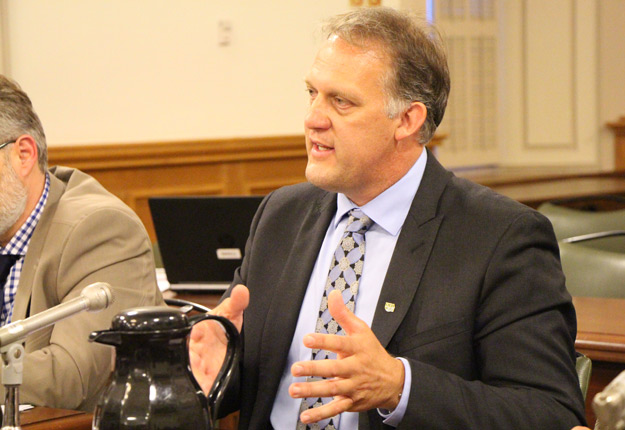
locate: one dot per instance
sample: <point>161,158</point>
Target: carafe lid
<point>149,319</point>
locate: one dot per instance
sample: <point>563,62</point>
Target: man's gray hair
<point>419,71</point>
<point>17,117</point>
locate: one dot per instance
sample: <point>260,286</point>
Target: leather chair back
<point>583,366</point>
<point>594,265</point>
<point>569,222</point>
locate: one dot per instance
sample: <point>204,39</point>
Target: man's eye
<point>341,102</point>
<point>312,93</point>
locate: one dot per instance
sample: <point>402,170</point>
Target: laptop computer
<point>202,239</point>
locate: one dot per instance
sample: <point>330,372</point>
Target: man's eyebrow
<point>333,92</point>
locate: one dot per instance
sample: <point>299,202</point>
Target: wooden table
<point>209,299</point>
<point>41,418</point>
<point>600,336</point>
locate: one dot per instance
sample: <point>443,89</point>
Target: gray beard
<point>13,196</point>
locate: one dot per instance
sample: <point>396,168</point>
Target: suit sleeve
<point>108,245</point>
<point>523,347</point>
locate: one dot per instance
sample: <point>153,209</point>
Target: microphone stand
<point>93,298</point>
<point>12,368</point>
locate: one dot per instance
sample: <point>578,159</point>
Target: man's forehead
<point>351,64</point>
<point>358,46</point>
<point>338,54</point>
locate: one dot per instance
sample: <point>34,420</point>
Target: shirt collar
<point>18,245</point>
<point>399,197</point>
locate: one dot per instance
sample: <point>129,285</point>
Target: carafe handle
<point>232,358</point>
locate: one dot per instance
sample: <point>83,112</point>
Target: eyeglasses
<point>2,145</point>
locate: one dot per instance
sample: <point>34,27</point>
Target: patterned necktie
<point>6,262</point>
<point>344,276</point>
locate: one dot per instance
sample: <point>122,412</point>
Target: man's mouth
<point>321,147</point>
<point>318,146</point>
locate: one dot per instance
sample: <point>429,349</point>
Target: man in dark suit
<point>458,318</point>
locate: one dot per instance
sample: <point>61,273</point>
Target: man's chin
<point>314,175</point>
<point>323,181</point>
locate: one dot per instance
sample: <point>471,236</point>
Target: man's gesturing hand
<point>208,342</point>
<point>364,376</point>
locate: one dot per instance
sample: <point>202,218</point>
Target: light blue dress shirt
<point>388,211</point>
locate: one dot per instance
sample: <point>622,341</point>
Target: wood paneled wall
<point>135,172</point>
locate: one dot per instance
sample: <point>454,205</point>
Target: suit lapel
<point>412,252</point>
<point>406,267</point>
<point>35,249</point>
<point>289,293</point>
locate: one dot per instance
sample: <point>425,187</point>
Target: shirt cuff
<point>393,418</point>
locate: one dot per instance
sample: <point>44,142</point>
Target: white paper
<point>23,407</point>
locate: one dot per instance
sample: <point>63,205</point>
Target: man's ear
<point>411,121</point>
<point>27,155</point>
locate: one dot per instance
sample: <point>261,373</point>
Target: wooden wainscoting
<point>243,166</point>
<point>135,172</point>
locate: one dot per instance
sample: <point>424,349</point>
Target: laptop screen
<point>202,239</point>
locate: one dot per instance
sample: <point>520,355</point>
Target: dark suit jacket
<point>482,312</point>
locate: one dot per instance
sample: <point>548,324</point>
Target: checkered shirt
<point>18,245</point>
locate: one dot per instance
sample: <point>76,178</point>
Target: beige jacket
<point>85,235</point>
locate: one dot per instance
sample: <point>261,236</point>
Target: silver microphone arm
<point>93,298</point>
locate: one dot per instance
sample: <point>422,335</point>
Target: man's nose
<point>317,117</point>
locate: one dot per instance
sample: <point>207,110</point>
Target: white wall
<point>151,70</point>
<point>109,71</point>
<point>562,79</point>
<point>549,96</point>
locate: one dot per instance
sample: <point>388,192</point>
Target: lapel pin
<point>389,307</point>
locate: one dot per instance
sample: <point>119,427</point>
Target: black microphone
<point>93,298</point>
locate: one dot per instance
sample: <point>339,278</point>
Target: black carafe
<point>152,386</point>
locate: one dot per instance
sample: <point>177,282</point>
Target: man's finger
<point>343,316</point>
<point>323,368</point>
<point>234,306</point>
<point>338,405</point>
<point>322,388</point>
<point>239,299</point>
<point>342,345</point>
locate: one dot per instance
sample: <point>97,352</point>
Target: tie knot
<point>358,222</point>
